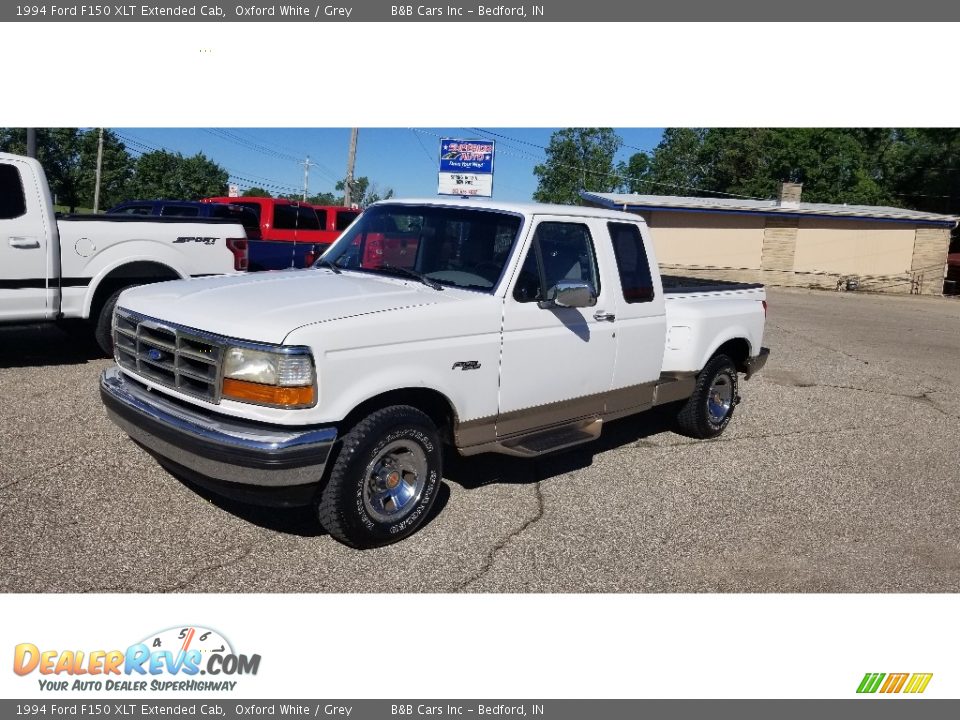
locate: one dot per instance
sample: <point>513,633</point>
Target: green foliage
<point>363,192</point>
<point>115,172</point>
<point>58,150</point>
<point>256,192</point>
<point>578,159</point>
<point>915,168</point>
<point>160,175</point>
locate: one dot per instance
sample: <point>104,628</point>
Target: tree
<point>58,150</point>
<point>162,174</point>
<point>364,192</point>
<point>578,159</point>
<point>115,173</point>
<point>835,165</point>
<point>257,192</point>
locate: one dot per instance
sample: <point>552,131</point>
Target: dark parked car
<point>187,209</point>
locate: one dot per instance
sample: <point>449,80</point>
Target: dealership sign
<point>466,167</point>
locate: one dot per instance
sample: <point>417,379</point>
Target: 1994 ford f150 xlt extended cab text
<point>517,329</point>
<point>71,269</point>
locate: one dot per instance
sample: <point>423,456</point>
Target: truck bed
<point>675,284</point>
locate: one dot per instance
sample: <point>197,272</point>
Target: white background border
<point>619,75</point>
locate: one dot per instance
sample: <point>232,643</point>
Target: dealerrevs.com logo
<point>172,659</point>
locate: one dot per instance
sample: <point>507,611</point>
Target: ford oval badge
<point>154,354</point>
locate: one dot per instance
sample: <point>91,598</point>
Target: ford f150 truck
<point>72,269</point>
<point>517,329</point>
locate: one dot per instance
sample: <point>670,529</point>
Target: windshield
<point>453,246</point>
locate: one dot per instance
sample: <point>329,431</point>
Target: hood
<point>267,306</point>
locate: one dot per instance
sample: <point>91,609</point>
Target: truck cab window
<point>560,252</point>
<point>631,262</point>
<point>12,201</point>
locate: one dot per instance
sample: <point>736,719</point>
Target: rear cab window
<point>632,263</point>
<point>344,218</point>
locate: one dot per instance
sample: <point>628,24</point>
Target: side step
<point>557,438</point>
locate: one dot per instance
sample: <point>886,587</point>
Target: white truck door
<point>27,288</point>
<point>557,363</point>
<point>641,319</point>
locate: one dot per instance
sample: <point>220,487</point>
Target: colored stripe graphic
<point>870,682</point>
<point>918,683</point>
<point>894,682</point>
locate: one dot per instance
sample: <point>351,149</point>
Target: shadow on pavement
<point>288,513</point>
<point>46,344</point>
<point>292,513</point>
<point>479,470</point>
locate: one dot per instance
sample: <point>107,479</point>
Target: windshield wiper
<point>429,282</point>
<point>328,264</point>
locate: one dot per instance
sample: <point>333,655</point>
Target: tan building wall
<point>707,239</point>
<point>804,252</point>
<point>848,247</point>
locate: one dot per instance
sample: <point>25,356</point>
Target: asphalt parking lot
<point>839,473</point>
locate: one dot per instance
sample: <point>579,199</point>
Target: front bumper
<point>755,364</point>
<point>214,446</point>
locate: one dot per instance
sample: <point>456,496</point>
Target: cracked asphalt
<point>840,472</point>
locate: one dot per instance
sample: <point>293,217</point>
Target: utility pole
<point>32,142</point>
<point>96,186</point>
<point>351,160</point>
<point>306,177</point>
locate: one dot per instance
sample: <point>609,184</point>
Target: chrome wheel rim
<point>720,398</point>
<point>394,480</point>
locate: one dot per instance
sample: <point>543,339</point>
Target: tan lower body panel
<point>529,431</point>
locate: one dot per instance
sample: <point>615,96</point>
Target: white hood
<point>267,306</point>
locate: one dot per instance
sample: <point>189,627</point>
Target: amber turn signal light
<point>268,394</point>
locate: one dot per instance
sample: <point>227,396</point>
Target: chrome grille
<point>168,355</point>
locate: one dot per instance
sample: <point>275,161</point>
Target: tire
<point>708,410</point>
<point>384,480</point>
<point>103,324</point>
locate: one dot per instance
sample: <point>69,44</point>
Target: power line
<point>616,175</point>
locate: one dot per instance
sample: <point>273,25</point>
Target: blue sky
<point>404,159</point>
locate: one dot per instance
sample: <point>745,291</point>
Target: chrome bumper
<point>213,445</point>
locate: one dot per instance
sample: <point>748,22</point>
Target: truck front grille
<point>168,355</point>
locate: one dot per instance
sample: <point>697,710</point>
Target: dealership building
<point>790,242</point>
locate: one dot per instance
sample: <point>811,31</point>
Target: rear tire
<point>384,480</point>
<point>708,410</point>
<point>103,324</point>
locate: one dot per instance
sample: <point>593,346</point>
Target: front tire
<point>103,324</point>
<point>708,411</point>
<point>385,479</point>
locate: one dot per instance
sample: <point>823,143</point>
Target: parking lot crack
<point>923,398</point>
<point>496,549</point>
<point>759,436</point>
<point>245,552</point>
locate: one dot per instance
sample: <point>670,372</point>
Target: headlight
<point>265,377</point>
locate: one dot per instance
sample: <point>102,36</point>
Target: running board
<point>546,441</point>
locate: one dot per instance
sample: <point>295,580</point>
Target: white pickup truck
<point>489,327</point>
<point>71,269</point>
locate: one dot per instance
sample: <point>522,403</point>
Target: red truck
<point>293,234</point>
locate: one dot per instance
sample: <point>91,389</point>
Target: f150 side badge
<point>466,365</point>
<point>196,239</point>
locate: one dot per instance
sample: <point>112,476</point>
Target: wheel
<point>384,480</point>
<point>103,324</point>
<point>708,411</point>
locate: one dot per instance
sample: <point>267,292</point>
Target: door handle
<point>602,315</point>
<point>24,243</point>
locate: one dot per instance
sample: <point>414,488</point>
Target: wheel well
<point>737,350</point>
<point>135,273</point>
<point>430,402</point>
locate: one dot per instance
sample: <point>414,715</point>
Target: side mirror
<point>568,294</point>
